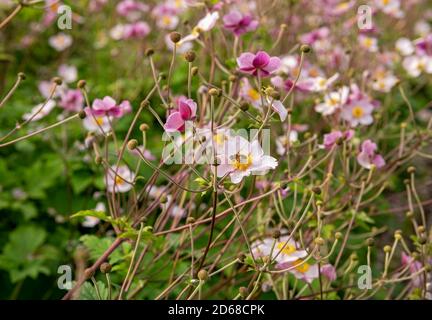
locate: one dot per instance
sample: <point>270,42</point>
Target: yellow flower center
<point>286,248</point>
<point>381,85</point>
<point>253,94</point>
<point>421,65</point>
<point>385,2</point>
<point>368,42</point>
<point>119,180</point>
<point>61,40</point>
<point>219,139</point>
<point>333,101</point>
<point>313,72</point>
<point>242,162</point>
<point>54,7</point>
<point>166,20</point>
<point>301,266</point>
<point>322,82</point>
<point>99,120</point>
<point>357,112</point>
<point>343,5</point>
<point>196,31</point>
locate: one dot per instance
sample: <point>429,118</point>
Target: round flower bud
<point>411,170</point>
<point>213,92</point>
<point>98,160</point>
<point>398,236</point>
<point>316,190</point>
<point>232,78</point>
<point>403,125</point>
<point>354,257</point>
<point>21,75</point>
<point>143,127</point>
<point>421,229</point>
<point>406,181</point>
<point>82,114</point>
<point>244,106</point>
<point>202,275</point>
<point>149,52</point>
<point>387,249</point>
<point>57,80</point>
<point>338,235</point>
<point>305,48</point>
<point>244,292</point>
<point>175,37</point>
<point>194,71</point>
<point>132,144</point>
<point>190,220</point>
<point>370,242</point>
<point>190,56</point>
<point>105,267</point>
<point>319,241</point>
<point>163,199</point>
<point>409,214</point>
<point>81,84</point>
<point>276,234</point>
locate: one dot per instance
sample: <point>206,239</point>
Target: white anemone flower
<point>405,46</point>
<point>40,111</point>
<point>68,73</point>
<point>120,182</point>
<point>416,65</point>
<point>61,41</point>
<point>241,159</point>
<point>333,101</point>
<point>205,24</point>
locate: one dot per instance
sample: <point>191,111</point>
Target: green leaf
<point>88,291</point>
<point>97,247</point>
<point>91,213</point>
<point>363,217</point>
<point>24,256</point>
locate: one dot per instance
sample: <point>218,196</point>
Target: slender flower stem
<point>39,131</point>
<point>11,16</point>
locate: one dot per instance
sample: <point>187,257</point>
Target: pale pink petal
<point>174,122</point>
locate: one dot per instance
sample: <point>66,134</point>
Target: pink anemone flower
<point>106,106</point>
<point>368,156</point>
<point>186,111</point>
<point>259,64</point>
<point>238,23</point>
